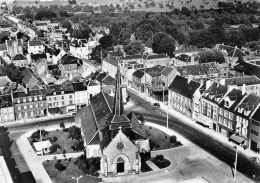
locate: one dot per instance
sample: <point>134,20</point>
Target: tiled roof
<point>67,59</point>
<point>91,83</point>
<point>5,101</point>
<point>200,69</point>
<point>184,58</point>
<point>112,60</point>
<point>29,79</point>
<point>109,81</point>
<point>154,71</point>
<point>248,68</point>
<point>20,94</point>
<point>231,51</point>
<point>4,80</point>
<point>239,81</point>
<point>215,92</point>
<point>256,116</point>
<point>181,86</point>
<point>35,43</point>
<point>249,103</point>
<point>79,86</point>
<point>166,71</point>
<point>138,74</point>
<point>235,95</point>
<point>101,76</point>
<point>19,57</point>
<point>56,52</point>
<point>148,57</point>
<point>131,57</point>
<point>38,56</point>
<point>67,88</point>
<point>3,47</point>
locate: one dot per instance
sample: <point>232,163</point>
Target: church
<point>108,133</point>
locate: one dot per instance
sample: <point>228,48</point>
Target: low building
<point>20,60</point>
<point>6,109</point>
<point>30,104</point>
<point>181,92</point>
<point>62,97</point>
<point>35,47</point>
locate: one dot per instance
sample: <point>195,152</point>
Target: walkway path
<point>34,162</point>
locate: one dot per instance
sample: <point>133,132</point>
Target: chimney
<point>189,78</point>
<point>243,89</point>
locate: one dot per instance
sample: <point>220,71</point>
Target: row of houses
<point>54,99</point>
<point>226,109</point>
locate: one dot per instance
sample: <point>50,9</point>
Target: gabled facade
<point>142,81</point>
<point>14,47</point>
<point>20,60</point>
<point>69,67</point>
<point>79,49</point>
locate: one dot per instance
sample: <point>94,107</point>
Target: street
<point>221,151</point>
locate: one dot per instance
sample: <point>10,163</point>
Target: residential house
<point>6,109</point>
<point>61,97</point>
<point>184,59</point>
<point>148,46</point>
<point>198,72</point>
<point>79,49</point>
<point>210,99</point>
<point>142,81</point>
<point>251,84</point>
<point>14,46</point>
<point>30,103</point>
<point>244,112</point>
<point>167,76</point>
<point>35,47</point>
<point>3,50</point>
<point>84,91</point>
<point>181,92</point>
<point>226,116</point>
<point>57,55</point>
<point>254,134</point>
<point>110,66</point>
<point>70,67</point>
<point>231,53</point>
<point>20,60</point>
<point>224,70</point>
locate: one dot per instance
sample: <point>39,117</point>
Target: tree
<point>173,139</point>
<point>66,24</point>
<point>77,34</point>
<point>75,133</point>
<point>163,43</point>
<point>106,41</point>
<point>62,125</point>
<point>54,148</point>
<point>185,11</point>
<point>134,47</point>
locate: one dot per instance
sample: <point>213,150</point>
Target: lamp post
<point>39,127</point>
<point>77,178</point>
<point>236,163</point>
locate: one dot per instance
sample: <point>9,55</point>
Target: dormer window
<point>35,98</point>
<point>24,100</point>
<point>246,112</point>
<point>240,109</point>
<point>54,93</point>
<point>226,103</point>
<point>18,101</point>
<point>30,99</point>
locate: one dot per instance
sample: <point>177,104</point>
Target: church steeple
<point>118,109</point>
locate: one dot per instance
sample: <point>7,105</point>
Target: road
<point>222,151</point>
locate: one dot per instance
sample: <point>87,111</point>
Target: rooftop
<point>35,43</point>
<point>239,81</point>
<point>248,68</point>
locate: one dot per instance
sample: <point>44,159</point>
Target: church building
<point>108,133</point>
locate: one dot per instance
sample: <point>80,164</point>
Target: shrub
<point>173,139</point>
<point>75,133</point>
<point>53,139</point>
<point>178,143</point>
<point>60,167</point>
<point>159,157</point>
<point>62,125</point>
<point>54,148</point>
<point>78,146</point>
<point>153,145</point>
<point>88,165</point>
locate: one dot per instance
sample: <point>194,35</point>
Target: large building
<point>112,135</point>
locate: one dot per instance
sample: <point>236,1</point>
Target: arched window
<point>120,160</point>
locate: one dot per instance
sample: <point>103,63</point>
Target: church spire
<point>118,109</point>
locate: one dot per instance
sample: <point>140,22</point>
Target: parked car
<point>255,159</point>
<point>156,105</point>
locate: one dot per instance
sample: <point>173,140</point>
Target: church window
<point>120,146</point>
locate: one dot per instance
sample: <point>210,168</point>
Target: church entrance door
<point>120,167</point>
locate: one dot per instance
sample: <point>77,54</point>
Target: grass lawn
<point>66,175</point>
<point>63,141</point>
<point>158,137</point>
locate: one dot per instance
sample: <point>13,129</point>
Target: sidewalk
<point>36,120</point>
<point>34,162</point>
<point>248,153</point>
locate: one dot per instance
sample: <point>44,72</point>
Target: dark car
<point>156,104</point>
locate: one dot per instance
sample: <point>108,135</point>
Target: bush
<point>54,148</point>
<point>75,133</point>
<point>53,139</point>
<point>62,125</point>
<point>88,165</point>
<point>159,157</point>
<point>178,143</point>
<point>78,146</point>
<point>60,167</point>
<point>173,139</point>
<point>153,145</point>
